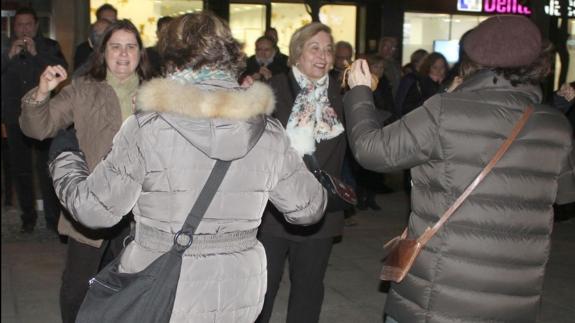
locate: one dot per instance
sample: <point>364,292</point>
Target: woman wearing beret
<point>487,263</point>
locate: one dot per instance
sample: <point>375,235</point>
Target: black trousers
<point>83,263</point>
<point>6,173</point>
<point>307,265</point>
<point>22,152</point>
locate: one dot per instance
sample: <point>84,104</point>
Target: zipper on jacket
<point>91,281</point>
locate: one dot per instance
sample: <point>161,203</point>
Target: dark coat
<point>277,66</point>
<point>413,90</point>
<point>329,154</point>
<point>22,73</point>
<point>487,263</point>
<point>82,54</point>
<point>155,60</point>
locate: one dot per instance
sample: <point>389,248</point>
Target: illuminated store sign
<point>493,6</point>
<point>554,8</point>
<point>469,5</point>
<point>505,6</point>
<point>512,7</point>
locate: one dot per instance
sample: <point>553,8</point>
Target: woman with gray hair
<point>162,156</point>
<point>487,262</point>
<point>310,108</point>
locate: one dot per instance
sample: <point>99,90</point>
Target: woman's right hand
<point>359,74</point>
<point>49,80</point>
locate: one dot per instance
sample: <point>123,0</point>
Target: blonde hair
<point>301,36</point>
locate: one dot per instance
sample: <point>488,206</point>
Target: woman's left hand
<point>247,82</point>
<point>359,74</point>
<point>454,84</point>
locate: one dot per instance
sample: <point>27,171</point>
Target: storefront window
<point>423,30</point>
<point>341,19</point>
<point>145,13</point>
<point>248,23</point>
<point>286,18</point>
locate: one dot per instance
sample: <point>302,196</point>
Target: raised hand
<point>359,74</point>
<point>17,46</point>
<point>30,45</point>
<point>265,73</point>
<point>49,80</point>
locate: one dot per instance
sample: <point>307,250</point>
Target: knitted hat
<point>504,41</point>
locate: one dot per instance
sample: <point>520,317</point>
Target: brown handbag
<point>400,252</point>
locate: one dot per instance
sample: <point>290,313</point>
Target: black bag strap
<point>200,206</point>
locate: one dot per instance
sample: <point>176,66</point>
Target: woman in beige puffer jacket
<point>162,156</point>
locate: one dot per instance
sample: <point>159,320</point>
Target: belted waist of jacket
<point>202,244</point>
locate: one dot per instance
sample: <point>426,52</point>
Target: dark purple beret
<point>504,41</point>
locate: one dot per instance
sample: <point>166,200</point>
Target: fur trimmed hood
<point>224,124</point>
<point>164,95</point>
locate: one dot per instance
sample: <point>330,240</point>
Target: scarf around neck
<point>206,78</point>
<point>125,91</point>
<point>312,119</point>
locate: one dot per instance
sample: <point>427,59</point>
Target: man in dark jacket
<point>29,53</point>
<point>266,62</point>
<point>84,50</point>
<point>153,53</point>
<point>105,12</point>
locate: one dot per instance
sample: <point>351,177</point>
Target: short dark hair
<point>162,21</point>
<point>27,11</point>
<point>417,56</point>
<point>343,44</point>
<point>266,38</point>
<point>98,68</point>
<point>200,39</point>
<point>104,7</point>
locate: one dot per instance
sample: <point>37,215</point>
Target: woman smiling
<point>96,104</point>
<point>310,108</point>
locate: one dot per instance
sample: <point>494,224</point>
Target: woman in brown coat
<point>96,104</point>
<point>487,263</point>
<point>310,107</point>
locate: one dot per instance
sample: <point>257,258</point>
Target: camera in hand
<point>23,53</point>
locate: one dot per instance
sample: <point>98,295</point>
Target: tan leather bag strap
<point>429,232</point>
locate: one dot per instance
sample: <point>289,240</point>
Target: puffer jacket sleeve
<point>402,144</point>
<point>41,120</point>
<point>298,195</point>
<point>566,187</point>
<point>101,199</point>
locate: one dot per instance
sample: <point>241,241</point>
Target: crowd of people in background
<point>149,122</point>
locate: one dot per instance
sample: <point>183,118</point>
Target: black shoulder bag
<point>147,296</point>
<point>340,195</point>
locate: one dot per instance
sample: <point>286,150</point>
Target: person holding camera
<point>22,63</point>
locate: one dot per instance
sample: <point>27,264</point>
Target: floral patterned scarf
<point>312,118</point>
<point>206,78</point>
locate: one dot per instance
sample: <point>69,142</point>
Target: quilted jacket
<point>487,263</point>
<point>159,162</point>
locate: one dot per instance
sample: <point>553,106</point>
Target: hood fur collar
<point>164,95</point>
